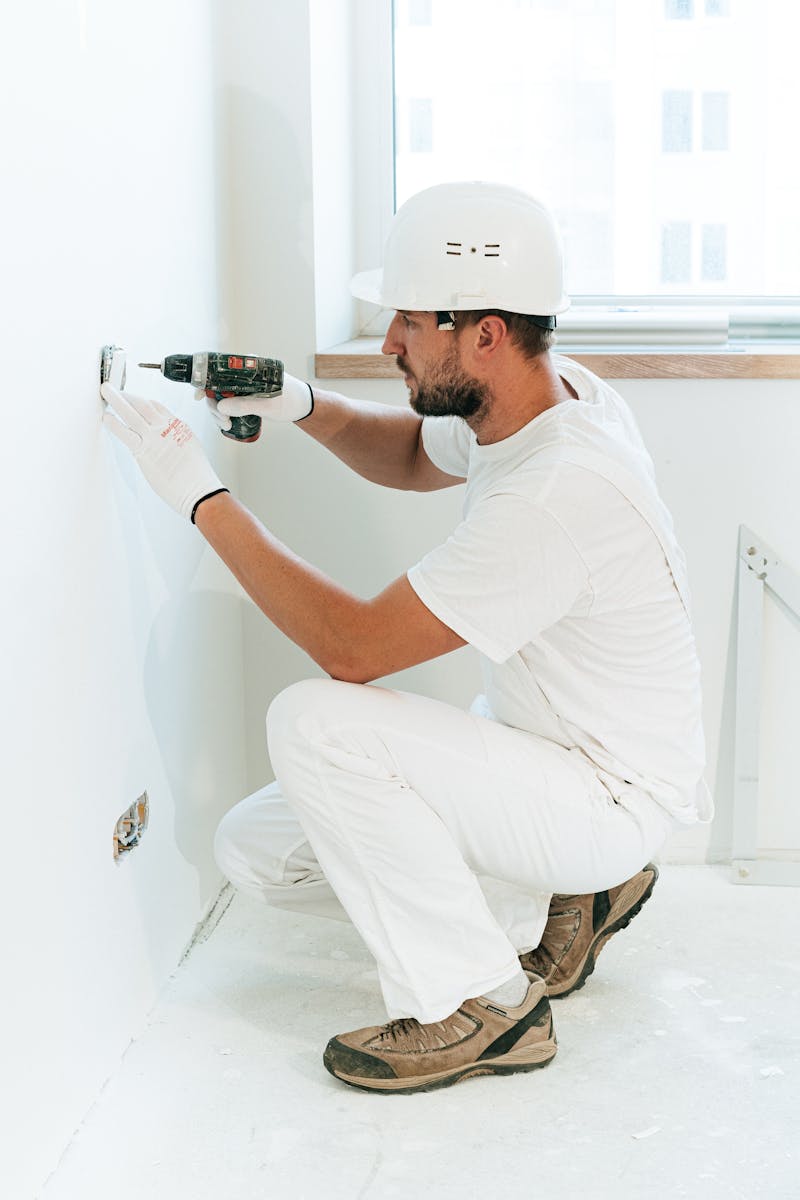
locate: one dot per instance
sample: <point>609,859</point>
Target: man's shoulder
<point>563,363</point>
<point>446,441</point>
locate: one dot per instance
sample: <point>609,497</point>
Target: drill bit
<point>152,366</point>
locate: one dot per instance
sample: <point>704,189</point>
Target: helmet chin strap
<point>447,320</point>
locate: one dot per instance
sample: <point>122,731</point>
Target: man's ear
<point>491,333</point>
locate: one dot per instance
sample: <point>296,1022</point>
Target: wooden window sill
<point>362,359</point>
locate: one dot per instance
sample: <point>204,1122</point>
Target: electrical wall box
<point>112,366</point>
<point>130,828</point>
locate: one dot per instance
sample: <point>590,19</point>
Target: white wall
<point>121,636</point>
<point>264,103</point>
<point>725,455</point>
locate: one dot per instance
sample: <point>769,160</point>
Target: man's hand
<point>170,456</point>
<point>294,402</point>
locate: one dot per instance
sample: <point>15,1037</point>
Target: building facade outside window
<point>714,254</point>
<point>676,252</point>
<point>420,125</point>
<point>716,107</point>
<point>420,12</point>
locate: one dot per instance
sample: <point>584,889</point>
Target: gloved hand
<point>171,458</point>
<point>293,403</point>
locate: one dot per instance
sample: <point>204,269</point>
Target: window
<point>677,258</point>
<point>677,10</point>
<point>676,252</point>
<point>630,126</point>
<point>676,122</point>
<point>660,145</point>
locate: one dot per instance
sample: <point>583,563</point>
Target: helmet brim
<point>367,285</point>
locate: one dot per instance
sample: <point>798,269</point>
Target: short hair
<point>531,339</point>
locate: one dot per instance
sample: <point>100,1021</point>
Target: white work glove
<point>171,458</point>
<point>294,402</point>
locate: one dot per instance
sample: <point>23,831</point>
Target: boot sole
<point>524,1059</point>
<point>599,942</point>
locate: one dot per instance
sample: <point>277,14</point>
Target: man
<point>486,856</point>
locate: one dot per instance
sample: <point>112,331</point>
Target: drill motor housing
<point>234,374</point>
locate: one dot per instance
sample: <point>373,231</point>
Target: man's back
<point>567,577</point>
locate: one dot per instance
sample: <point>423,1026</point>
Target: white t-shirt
<point>565,575</point>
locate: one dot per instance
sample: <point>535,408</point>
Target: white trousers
<point>439,833</point>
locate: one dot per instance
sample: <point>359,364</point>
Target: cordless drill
<point>236,374</point>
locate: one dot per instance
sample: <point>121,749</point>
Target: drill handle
<point>243,429</point>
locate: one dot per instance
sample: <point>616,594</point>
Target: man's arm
<point>351,639</point>
<point>378,441</point>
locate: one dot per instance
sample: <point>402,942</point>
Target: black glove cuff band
<point>207,496</point>
<point>311,394</point>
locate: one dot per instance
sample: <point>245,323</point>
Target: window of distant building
<point>676,121</point>
<point>679,10</point>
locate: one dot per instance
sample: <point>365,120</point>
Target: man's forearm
<point>352,639</point>
<point>310,608</point>
<point>377,441</point>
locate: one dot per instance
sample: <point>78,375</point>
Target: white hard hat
<point>461,246</point>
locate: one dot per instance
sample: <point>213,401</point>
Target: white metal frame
<point>759,568</point>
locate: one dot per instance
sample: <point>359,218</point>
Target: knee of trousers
<point>230,849</point>
<point>302,709</point>
<point>242,855</point>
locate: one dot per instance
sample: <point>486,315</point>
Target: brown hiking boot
<point>481,1038</point>
<point>579,926</point>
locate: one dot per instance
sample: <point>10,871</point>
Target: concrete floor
<point>678,1073</point>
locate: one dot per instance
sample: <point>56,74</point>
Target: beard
<point>448,391</point>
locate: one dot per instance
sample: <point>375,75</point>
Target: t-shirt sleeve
<point>507,572</point>
<point>446,443</point>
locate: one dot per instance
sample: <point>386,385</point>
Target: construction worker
<point>484,856</point>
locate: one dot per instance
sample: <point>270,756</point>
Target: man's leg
<point>261,847</point>
<point>578,928</point>
<point>405,800</point>
<point>263,850</point>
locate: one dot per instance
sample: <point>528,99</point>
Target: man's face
<point>430,360</point>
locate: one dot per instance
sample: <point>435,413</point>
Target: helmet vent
<point>491,250</point>
<point>454,248</point>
